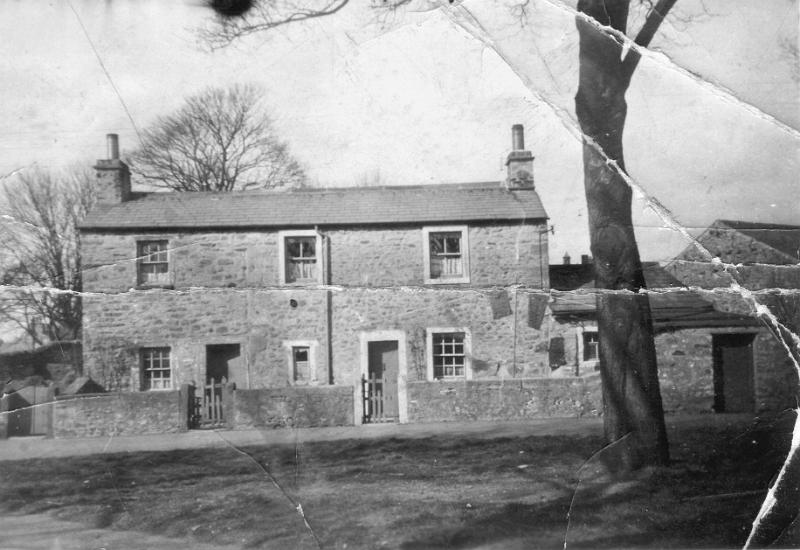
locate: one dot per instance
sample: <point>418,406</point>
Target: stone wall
<point>686,370</point>
<point>508,399</point>
<point>374,257</point>
<point>503,343</point>
<point>776,384</point>
<point>262,322</point>
<point>105,415</point>
<point>291,407</point>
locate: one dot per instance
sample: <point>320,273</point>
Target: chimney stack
<point>567,259</point>
<point>520,161</point>
<point>112,141</point>
<point>517,137</point>
<point>585,259</point>
<point>113,176</point>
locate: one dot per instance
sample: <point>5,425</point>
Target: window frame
<point>430,333</point>
<point>143,369</point>
<point>426,251</point>
<point>140,257</point>
<point>290,346</point>
<point>283,256</point>
<point>581,333</point>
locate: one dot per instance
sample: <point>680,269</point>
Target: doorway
<point>733,372</point>
<point>380,384</point>
<point>221,362</point>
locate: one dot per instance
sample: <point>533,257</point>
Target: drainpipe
<point>326,280</point>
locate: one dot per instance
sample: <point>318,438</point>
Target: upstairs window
<point>156,371</point>
<point>300,257</point>
<point>153,263</point>
<point>446,255</point>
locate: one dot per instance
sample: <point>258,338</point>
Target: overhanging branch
<point>645,36</point>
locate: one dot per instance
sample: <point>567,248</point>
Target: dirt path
<point>20,448</point>
<point>43,532</point>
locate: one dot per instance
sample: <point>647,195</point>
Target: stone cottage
<point>351,305</point>
<point>401,295</point>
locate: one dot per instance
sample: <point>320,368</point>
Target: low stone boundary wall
<point>290,407</point>
<point>107,414</point>
<point>514,399</point>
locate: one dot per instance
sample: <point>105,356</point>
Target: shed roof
<point>781,237</point>
<point>308,207</point>
<point>669,308</point>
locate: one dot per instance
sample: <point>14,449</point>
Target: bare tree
<point>220,140</point>
<point>631,394</point>
<point>41,265</point>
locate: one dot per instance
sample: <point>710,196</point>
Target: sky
<point>429,96</point>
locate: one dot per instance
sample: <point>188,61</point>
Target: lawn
<point>444,492</point>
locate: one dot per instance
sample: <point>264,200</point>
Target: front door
<point>380,388</point>
<point>733,373</point>
<point>221,361</point>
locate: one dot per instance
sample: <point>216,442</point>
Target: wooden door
<point>382,376</point>
<point>733,373</point>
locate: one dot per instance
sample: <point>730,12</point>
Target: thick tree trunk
<point>631,395</point>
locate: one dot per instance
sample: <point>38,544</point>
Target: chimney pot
<point>567,259</point>
<point>113,146</point>
<point>517,137</point>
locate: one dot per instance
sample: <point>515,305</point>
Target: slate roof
<point>783,238</point>
<point>309,207</point>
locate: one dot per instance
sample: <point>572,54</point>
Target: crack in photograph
<point>402,274</point>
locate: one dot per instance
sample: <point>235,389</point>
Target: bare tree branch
<point>645,35</point>
<point>265,15</point>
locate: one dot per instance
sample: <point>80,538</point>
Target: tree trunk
<point>631,394</point>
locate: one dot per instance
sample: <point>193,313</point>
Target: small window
<point>301,364</point>
<point>301,361</point>
<point>156,371</point>
<point>153,263</point>
<point>449,356</point>
<point>446,257</point>
<point>557,353</point>
<point>591,346</point>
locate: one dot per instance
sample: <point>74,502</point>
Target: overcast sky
<point>430,97</point>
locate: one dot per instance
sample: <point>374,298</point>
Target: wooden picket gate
<point>375,401</point>
<point>205,409</point>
